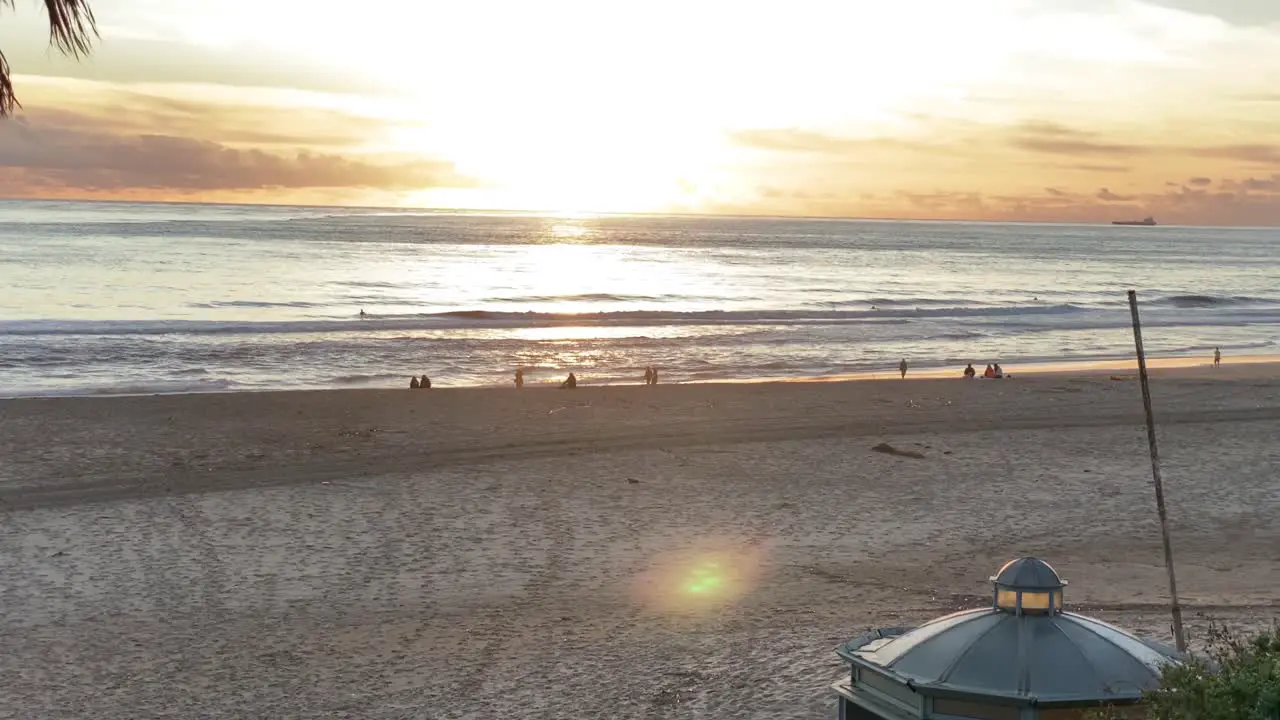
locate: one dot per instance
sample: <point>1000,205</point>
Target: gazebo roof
<point>1022,649</point>
<point>979,653</point>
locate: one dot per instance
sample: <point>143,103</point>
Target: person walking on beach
<point>902,368</point>
<point>648,376</point>
<point>519,378</point>
<point>1217,357</point>
<point>653,375</point>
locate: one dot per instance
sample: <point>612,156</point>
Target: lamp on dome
<point>1028,586</point>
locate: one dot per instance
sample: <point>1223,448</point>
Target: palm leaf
<point>72,30</point>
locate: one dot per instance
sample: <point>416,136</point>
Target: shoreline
<point>1156,365</point>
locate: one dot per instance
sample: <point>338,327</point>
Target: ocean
<point>125,298</point>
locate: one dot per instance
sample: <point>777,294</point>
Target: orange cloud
<point>163,149</point>
<point>1054,139</point>
<point>1265,155</point>
<point>1253,201</point>
<point>1033,170</point>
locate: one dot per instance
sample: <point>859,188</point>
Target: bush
<point>1236,679</point>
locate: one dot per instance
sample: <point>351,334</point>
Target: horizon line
<point>569,213</point>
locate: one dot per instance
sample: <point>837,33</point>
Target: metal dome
<point>1057,658</point>
<point>1022,651</point>
<point>1028,573</point>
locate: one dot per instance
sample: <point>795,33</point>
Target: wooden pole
<point>1178,636</point>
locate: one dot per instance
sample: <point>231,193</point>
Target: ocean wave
<point>1212,301</point>
<point>469,319</point>
<point>1029,317</point>
<point>128,388</point>
<point>254,304</point>
<point>358,379</point>
<point>585,297</point>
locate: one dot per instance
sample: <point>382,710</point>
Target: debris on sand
<point>888,449</point>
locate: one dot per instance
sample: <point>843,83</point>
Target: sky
<point>1039,110</point>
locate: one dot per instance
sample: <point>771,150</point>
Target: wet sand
<point>544,553</point>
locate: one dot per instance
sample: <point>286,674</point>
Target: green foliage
<point>1236,679</point>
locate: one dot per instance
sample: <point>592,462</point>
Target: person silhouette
<point>570,382</point>
<point>519,378</point>
<point>902,367</point>
<point>1217,357</point>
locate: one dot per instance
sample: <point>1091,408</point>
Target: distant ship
<point>1148,220</point>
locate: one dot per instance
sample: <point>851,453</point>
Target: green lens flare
<point>705,579</point>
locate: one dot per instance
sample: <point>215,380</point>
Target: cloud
<point>1173,206</point>
<point>1253,185</point>
<point>242,124</point>
<point>1253,154</point>
<point>1106,195</point>
<point>1237,12</point>
<point>62,152</point>
<point>1200,181</point>
<point>1253,201</point>
<point>1103,168</point>
<point>1051,138</point>
<point>796,140</point>
<point>126,60</point>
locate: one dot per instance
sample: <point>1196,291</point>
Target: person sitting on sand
<point>425,383</point>
<point>902,367</point>
<point>570,382</point>
<point>519,378</point>
<point>969,372</point>
<point>413,383</point>
<point>990,372</point>
<point>998,371</point>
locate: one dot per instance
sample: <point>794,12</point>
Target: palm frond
<point>72,29</point>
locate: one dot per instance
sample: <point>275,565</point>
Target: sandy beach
<point>689,551</point>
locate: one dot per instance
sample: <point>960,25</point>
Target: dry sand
<point>528,554</point>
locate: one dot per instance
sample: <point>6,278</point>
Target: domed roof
<point>1051,656</point>
<point>1028,573</point>
<point>1067,657</point>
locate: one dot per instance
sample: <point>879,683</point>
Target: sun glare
<point>700,581</point>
